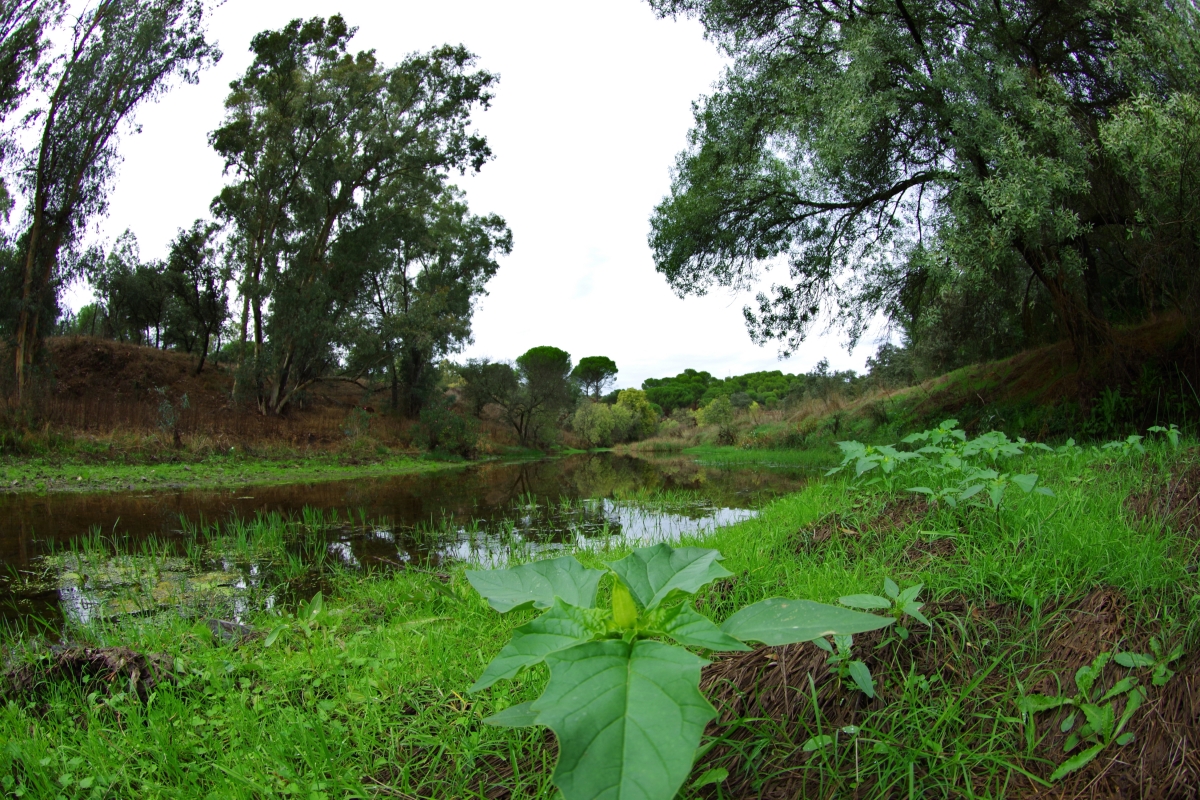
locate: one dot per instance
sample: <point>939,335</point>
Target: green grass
<point>815,458</point>
<point>64,475</point>
<point>374,704</point>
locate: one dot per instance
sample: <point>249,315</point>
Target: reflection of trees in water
<point>604,475</point>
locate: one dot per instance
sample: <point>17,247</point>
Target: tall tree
<point>121,54</point>
<point>198,282</point>
<point>595,374</point>
<point>23,25</point>
<point>427,261</point>
<point>891,151</point>
<point>313,136</point>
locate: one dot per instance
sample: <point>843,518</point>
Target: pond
<point>84,556</point>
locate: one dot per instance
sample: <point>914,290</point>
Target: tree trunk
<point>203,351</point>
<point>1089,332</point>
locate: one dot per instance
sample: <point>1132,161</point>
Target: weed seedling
<point>898,603</point>
<point>1101,726</point>
<point>1159,661</point>
<point>845,666</point>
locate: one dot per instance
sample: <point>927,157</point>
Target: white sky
<point>593,104</point>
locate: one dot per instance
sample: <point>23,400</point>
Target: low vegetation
<point>1049,644</point>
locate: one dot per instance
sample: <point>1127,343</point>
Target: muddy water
<point>473,513</point>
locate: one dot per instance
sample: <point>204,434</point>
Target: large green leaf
<point>689,627</point>
<point>652,573</point>
<point>519,716</point>
<point>537,584</point>
<point>562,626</point>
<point>781,621</point>
<point>628,718</point>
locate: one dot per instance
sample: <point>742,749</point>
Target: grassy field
<point>367,695</point>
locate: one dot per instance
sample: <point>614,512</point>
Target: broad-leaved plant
<point>623,697</point>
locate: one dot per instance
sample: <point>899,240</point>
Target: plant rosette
<point>623,697</point>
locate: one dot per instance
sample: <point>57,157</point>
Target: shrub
<point>645,418</point>
<point>719,413</point>
<point>594,423</point>
<point>441,429</point>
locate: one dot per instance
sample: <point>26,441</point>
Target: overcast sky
<point>593,104</point>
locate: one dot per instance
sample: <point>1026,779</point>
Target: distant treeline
<point>891,367</point>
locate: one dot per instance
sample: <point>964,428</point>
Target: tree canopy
<point>595,374</point>
<point>325,147</point>
<point>1003,171</point>
<point>118,55</point>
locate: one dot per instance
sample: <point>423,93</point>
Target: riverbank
<point>366,694</point>
<point>53,474</point>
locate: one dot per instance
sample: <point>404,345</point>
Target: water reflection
<point>482,514</point>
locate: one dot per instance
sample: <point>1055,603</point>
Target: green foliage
<point>841,660</point>
<point>594,422</point>
<point>441,429</point>
<point>692,389</point>
<point>427,259</point>
<point>643,420</point>
<point>719,414</point>
<point>323,146</point>
<point>117,56</point>
<point>624,706</point>
<point>948,456</point>
<point>197,282</point>
<point>899,603</point>
<point>595,374</point>
<point>531,396</point>
<point>910,160</point>
<point>1158,660</point>
<point>1101,724</point>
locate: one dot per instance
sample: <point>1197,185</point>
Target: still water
<point>479,514</point>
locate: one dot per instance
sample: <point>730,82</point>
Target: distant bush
<point>593,422</point>
<point>719,413</point>
<point>644,417</point>
<point>442,430</point>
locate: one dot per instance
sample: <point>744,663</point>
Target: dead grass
<point>109,390</point>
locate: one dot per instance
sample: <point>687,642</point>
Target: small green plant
<point>1130,445</point>
<point>866,458</point>
<point>311,617</point>
<point>1172,433</point>
<point>1159,660</point>
<point>945,456</point>
<point>1101,725</point>
<point>843,663</point>
<point>899,603</point>
<point>624,704</point>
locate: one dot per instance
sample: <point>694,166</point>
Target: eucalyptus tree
<point>427,261</point>
<point>23,27</point>
<point>891,151</point>
<point>314,135</point>
<point>198,284</point>
<point>118,55</point>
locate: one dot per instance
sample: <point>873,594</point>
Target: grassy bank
<point>366,696</point>
<point>212,471</point>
